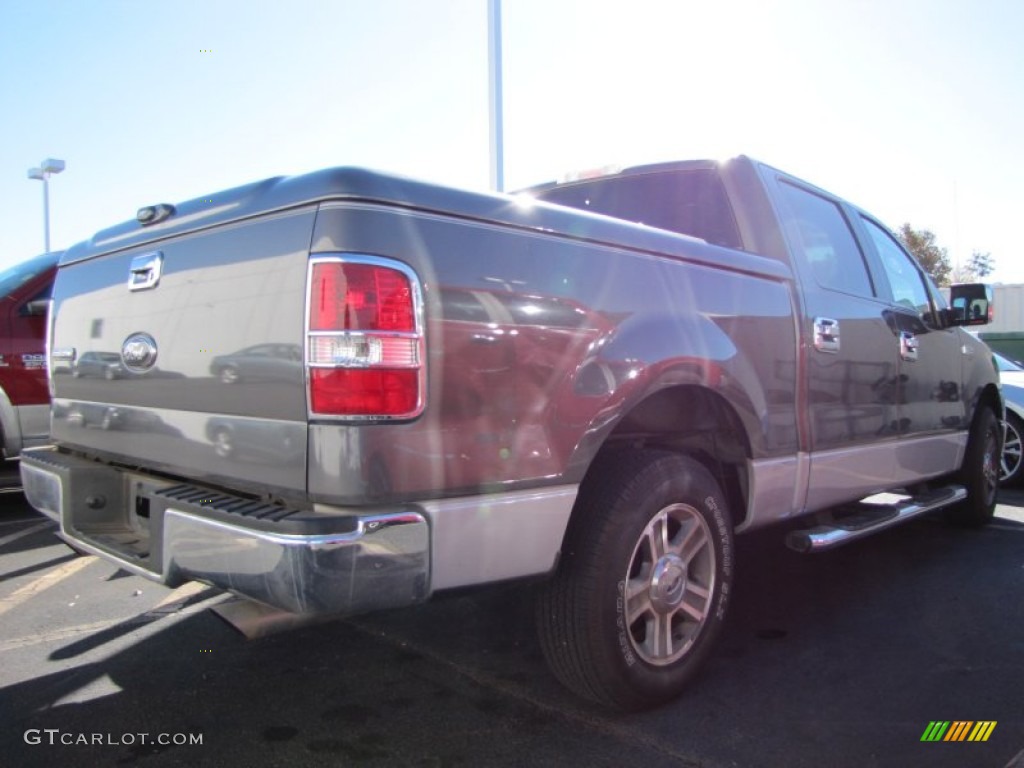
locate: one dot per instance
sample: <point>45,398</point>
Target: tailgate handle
<point>145,271</point>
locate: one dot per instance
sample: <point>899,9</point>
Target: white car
<point>1012,377</point>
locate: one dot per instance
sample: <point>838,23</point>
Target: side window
<point>908,285</point>
<point>829,246</point>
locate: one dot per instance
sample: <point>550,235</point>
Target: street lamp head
<point>36,173</point>
<point>52,165</point>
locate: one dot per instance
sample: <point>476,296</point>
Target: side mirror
<point>36,307</point>
<point>972,304</point>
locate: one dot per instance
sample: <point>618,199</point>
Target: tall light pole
<point>46,169</point>
<point>497,137</point>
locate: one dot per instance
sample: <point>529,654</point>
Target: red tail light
<point>364,343</point>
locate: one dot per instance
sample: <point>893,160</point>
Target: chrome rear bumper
<point>338,561</point>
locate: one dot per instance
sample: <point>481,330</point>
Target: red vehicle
<point>24,395</point>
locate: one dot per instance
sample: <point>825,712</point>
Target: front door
<point>932,407</point>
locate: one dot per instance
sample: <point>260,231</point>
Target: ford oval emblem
<point>138,353</point>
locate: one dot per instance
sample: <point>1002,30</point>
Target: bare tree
<point>978,267</point>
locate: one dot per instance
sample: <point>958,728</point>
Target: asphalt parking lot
<point>840,659</point>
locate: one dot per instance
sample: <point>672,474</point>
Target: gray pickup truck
<point>349,391</point>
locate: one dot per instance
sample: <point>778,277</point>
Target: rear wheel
<point>645,576</point>
<point>980,472</point>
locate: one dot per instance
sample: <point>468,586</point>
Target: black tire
<point>1011,465</point>
<point>653,529</point>
<point>980,472</point>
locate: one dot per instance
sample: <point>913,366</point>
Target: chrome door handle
<point>908,346</point>
<point>826,335</point>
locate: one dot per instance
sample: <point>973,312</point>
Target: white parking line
<point>28,531</point>
<point>182,594</point>
<point>47,580</point>
<point>66,633</point>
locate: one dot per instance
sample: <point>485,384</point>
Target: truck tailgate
<point>195,370</point>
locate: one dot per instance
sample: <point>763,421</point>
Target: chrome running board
<point>856,521</point>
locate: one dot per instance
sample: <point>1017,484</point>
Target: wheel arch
<point>989,397</point>
<point>691,420</point>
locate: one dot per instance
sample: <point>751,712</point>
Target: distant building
<point>1009,314</point>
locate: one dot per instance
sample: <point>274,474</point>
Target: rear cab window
<point>690,202</point>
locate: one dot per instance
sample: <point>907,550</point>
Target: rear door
<point>851,371</point>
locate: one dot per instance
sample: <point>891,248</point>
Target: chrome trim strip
<point>479,539</point>
<point>849,474</point>
<point>791,486</point>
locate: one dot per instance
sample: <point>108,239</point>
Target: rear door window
<point>826,242</point>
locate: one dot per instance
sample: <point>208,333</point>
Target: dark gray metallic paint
<point>205,308</point>
<point>544,327</point>
<point>521,387</point>
<point>547,330</point>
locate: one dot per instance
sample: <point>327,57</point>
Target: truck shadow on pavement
<point>836,659</point>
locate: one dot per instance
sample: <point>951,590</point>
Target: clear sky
<point>912,109</point>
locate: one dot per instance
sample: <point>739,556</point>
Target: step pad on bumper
<point>254,513</point>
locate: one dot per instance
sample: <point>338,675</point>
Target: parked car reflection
<point>257,441</point>
<point>263,362</point>
<point>104,365</point>
<point>110,417</point>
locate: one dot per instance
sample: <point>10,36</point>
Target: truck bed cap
<point>363,185</point>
